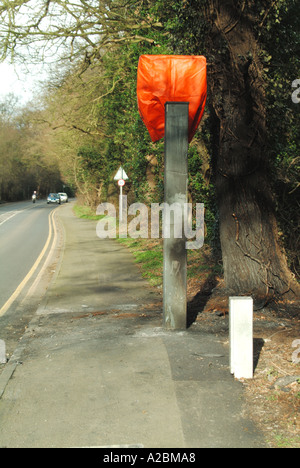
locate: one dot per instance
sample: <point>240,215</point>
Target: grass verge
<point>148,254</point>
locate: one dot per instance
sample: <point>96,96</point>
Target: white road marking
<point>7,216</point>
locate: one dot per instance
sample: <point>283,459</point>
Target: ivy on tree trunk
<point>253,260</point>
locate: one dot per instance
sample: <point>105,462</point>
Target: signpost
<point>172,93</point>
<point>176,183</point>
<point>121,177</point>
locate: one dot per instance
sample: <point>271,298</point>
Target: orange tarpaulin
<point>170,78</point>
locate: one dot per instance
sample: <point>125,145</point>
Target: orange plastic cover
<point>170,78</point>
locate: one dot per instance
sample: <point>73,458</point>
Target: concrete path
<point>96,369</point>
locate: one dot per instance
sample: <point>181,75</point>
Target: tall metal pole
<point>176,185</point>
<point>121,204</point>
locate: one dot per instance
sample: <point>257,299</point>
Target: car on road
<point>53,198</point>
<point>64,197</point>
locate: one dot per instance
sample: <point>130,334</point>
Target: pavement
<point>96,368</point>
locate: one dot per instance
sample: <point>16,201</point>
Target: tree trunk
<point>253,262</point>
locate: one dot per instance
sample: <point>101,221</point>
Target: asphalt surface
<point>24,228</point>
<point>96,368</point>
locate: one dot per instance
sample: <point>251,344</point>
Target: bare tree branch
<point>32,29</point>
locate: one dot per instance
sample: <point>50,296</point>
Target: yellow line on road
<point>45,264</point>
<point>21,286</point>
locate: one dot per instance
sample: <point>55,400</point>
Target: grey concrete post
<point>241,336</point>
<point>176,184</point>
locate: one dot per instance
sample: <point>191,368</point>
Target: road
<point>24,233</point>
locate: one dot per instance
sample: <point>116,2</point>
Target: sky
<point>14,80</point>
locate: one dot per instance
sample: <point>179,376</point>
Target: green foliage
<point>93,108</point>
<point>91,163</point>
<point>201,188</point>
<point>276,28</point>
<point>128,142</point>
<point>281,41</point>
<point>23,166</point>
